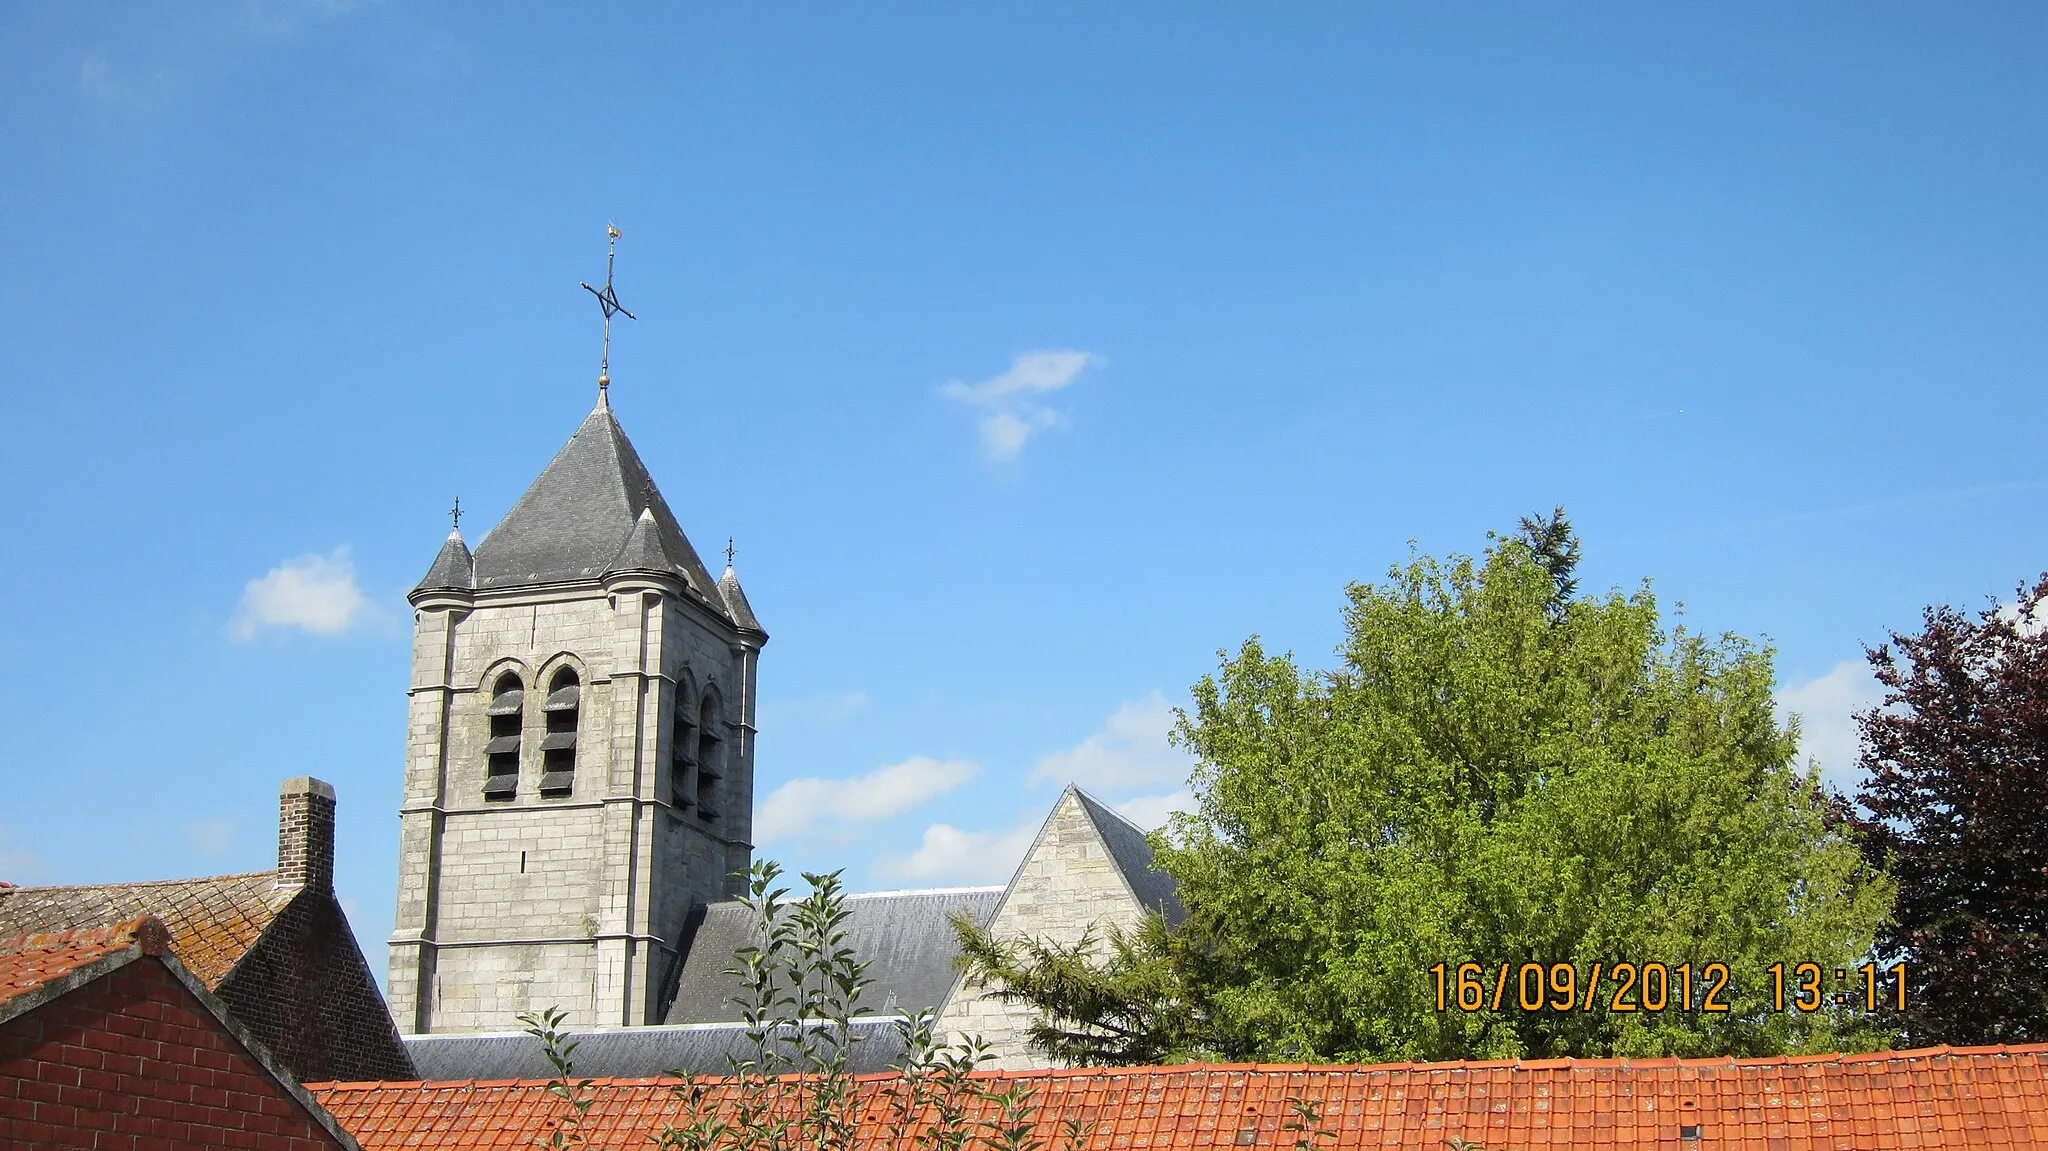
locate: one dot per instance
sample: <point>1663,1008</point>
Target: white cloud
<point>1151,811</point>
<point>96,78</point>
<point>17,864</point>
<point>1011,403</point>
<point>1826,706</point>
<point>949,855</point>
<point>801,803</point>
<point>312,593</point>
<point>1131,750</point>
<point>211,837</point>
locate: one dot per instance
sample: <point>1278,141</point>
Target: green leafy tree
<point>1957,788</point>
<point>1493,774</point>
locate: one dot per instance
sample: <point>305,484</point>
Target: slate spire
<point>578,519</point>
<point>454,569</point>
<point>736,604</point>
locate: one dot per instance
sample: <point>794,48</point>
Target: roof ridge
<point>1330,1070</point>
<point>136,883</point>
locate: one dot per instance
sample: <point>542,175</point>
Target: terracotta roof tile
<point>1934,1098</point>
<point>213,921</point>
<point>31,960</point>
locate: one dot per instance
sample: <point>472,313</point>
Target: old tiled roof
<point>36,959</point>
<point>1133,858</point>
<point>577,516</point>
<point>213,921</point>
<point>1977,1097</point>
<point>906,937</point>
<point>626,1052</point>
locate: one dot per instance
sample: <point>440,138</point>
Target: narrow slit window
<point>558,746</point>
<point>709,748</point>
<point>507,710</point>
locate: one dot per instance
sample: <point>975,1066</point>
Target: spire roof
<point>581,516</point>
<point>736,601</point>
<point>454,569</point>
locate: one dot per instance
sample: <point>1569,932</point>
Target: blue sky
<point>1030,353</point>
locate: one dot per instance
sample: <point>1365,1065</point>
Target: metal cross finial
<point>609,301</point>
<point>456,512</point>
<point>728,551</point>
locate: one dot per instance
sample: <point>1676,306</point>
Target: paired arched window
<point>507,711</point>
<point>563,709</point>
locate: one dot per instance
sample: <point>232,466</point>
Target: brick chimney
<point>305,834</point>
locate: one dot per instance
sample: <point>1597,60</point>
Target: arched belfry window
<point>506,710</point>
<point>682,752</point>
<point>558,747</point>
<point>710,750</point>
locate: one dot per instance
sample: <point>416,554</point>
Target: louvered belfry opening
<point>558,746</point>
<point>507,710</point>
<point>682,756</point>
<point>709,749</point>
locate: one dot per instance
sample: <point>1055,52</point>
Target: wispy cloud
<point>18,864</point>
<point>801,804</point>
<point>211,837</point>
<point>1012,404</point>
<point>1130,750</point>
<point>96,78</point>
<point>312,593</point>
<point>1826,706</point>
<point>947,854</point>
<point>1152,811</point>
<point>826,707</point>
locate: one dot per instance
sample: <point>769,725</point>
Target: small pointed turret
<point>736,601</point>
<point>454,569</point>
<point>643,551</point>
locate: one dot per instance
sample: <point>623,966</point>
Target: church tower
<point>579,758</point>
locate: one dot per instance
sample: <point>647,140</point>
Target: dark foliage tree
<point>1957,792</point>
<point>1556,547</point>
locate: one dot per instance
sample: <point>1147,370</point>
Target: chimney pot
<point>305,834</point>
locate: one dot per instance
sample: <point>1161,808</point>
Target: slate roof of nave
<point>213,921</point>
<point>906,937</point>
<point>1132,855</point>
<point>577,517</point>
<point>627,1052</point>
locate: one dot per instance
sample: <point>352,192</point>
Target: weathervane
<point>728,551</point>
<point>609,300</point>
<point>456,512</point>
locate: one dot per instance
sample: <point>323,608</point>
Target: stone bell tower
<point>580,756</point>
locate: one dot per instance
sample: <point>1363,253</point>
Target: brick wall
<point>133,1061</point>
<point>305,993</point>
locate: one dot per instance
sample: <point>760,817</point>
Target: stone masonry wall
<point>1066,885</point>
<point>577,900</point>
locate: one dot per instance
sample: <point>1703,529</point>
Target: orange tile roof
<point>213,921</point>
<point>32,960</point>
<point>1979,1097</point>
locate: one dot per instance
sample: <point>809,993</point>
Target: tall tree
<point>1551,540</point>
<point>1957,791</point>
<point>1482,779</point>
